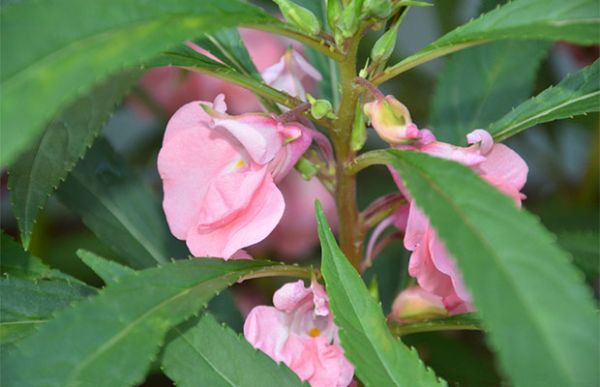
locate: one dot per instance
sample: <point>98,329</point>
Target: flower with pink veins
<point>430,263</point>
<point>219,174</point>
<point>299,331</point>
<point>291,74</point>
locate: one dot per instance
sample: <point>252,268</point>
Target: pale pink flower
<point>430,263</point>
<point>291,74</point>
<point>415,303</point>
<point>219,175</point>
<point>391,120</point>
<point>299,331</point>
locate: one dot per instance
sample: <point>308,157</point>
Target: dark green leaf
<point>578,93</point>
<point>55,50</point>
<point>584,247</point>
<point>378,357</point>
<point>119,208</point>
<point>478,85</point>
<point>39,171</point>
<point>210,354</point>
<point>109,271</point>
<point>113,338</point>
<point>539,314</point>
<point>16,262</point>
<point>574,21</point>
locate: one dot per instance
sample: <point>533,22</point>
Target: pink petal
<point>484,138</point>
<point>250,226</point>
<point>188,116</point>
<point>266,329</point>
<point>505,164</point>
<point>290,296</point>
<point>416,227</point>
<point>290,153</point>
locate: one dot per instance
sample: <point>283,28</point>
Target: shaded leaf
<point>584,247</point>
<point>109,271</point>
<point>540,316</point>
<point>379,358</point>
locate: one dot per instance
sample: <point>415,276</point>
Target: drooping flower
<point>299,331</point>
<point>417,303</point>
<point>219,174</point>
<point>391,120</point>
<point>291,74</point>
<point>430,263</point>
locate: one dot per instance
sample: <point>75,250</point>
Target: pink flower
<point>430,263</point>
<point>300,332</point>
<point>219,175</point>
<point>391,120</point>
<point>296,234</point>
<point>289,74</point>
<point>415,303</point>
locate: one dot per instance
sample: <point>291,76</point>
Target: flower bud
<point>300,17</point>
<point>384,46</point>
<point>378,8</point>
<point>415,303</point>
<point>334,10</point>
<point>320,108</point>
<point>391,120</point>
<point>359,130</point>
<point>350,18</point>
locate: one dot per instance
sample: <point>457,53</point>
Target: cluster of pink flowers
<point>430,263</point>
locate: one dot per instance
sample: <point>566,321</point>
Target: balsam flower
<point>391,120</point>
<point>300,332</point>
<point>219,174</point>
<point>291,74</point>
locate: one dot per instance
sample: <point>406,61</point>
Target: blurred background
<point>562,188</point>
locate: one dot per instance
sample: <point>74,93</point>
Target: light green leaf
<point>478,85</point>
<point>119,208</point>
<point>26,304</point>
<point>114,337</point>
<point>378,357</point>
<point>39,171</point>
<point>82,42</point>
<point>540,316</point>
<point>192,359</point>
<point>578,93</point>
<point>228,46</point>
<point>109,271</point>
<point>574,21</point>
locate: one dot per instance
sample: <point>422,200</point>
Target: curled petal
<point>290,296</point>
<point>484,138</point>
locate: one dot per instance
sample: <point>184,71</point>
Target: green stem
<point>456,323</point>
<point>376,157</point>
<point>349,228</point>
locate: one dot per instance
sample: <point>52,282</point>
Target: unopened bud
<point>391,120</point>
<point>334,11</point>
<point>415,303</point>
<point>384,47</point>
<point>359,130</point>
<point>306,168</point>
<point>300,17</point>
<point>320,108</point>
<point>378,8</point>
<point>350,19</point>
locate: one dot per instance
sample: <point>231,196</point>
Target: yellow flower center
<point>314,332</point>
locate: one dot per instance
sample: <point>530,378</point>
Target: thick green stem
<point>349,227</point>
<point>466,322</point>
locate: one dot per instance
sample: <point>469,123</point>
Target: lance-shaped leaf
<point>540,316</point>
<point>578,93</point>
<point>109,271</point>
<point>211,354</point>
<point>378,357</point>
<point>574,21</point>
<point>584,246</point>
<point>113,338</point>
<point>119,208</point>
<point>478,85</point>
<point>82,42</point>
<point>38,172</point>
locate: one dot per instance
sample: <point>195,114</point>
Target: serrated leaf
<point>584,247</point>
<point>228,46</point>
<point>109,271</point>
<point>574,21</point>
<point>578,93</point>
<point>378,357</point>
<point>38,172</point>
<point>540,316</point>
<point>210,354</point>
<point>113,338</point>
<point>26,304</point>
<point>478,85</point>
<point>84,42</point>
<point>119,208</point>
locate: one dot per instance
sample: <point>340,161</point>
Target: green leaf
<point>109,271</point>
<point>478,85</point>
<point>113,338</point>
<point>584,247</point>
<point>83,42</point>
<point>192,359</point>
<point>466,321</point>
<point>228,46</point>
<point>26,304</point>
<point>540,316</point>
<point>378,357</point>
<point>119,208</point>
<point>578,93</point>
<point>574,21</point>
<point>39,171</point>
